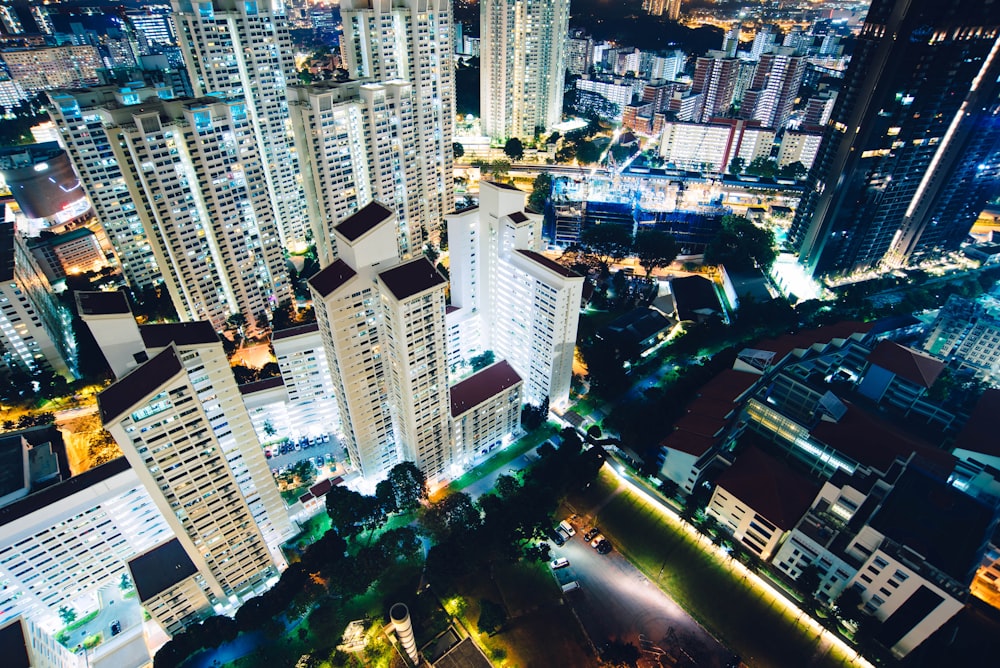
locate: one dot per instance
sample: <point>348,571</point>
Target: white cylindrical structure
<point>400,616</point>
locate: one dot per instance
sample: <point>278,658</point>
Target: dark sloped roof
<point>941,523</point>
<point>143,380</point>
<point>552,265</point>
<point>769,486</point>
<point>505,186</point>
<point>157,570</point>
<point>980,432</point>
<point>518,217</point>
<point>810,337</point>
<point>728,385</point>
<point>704,425</point>
<point>6,251</point>
<point>55,493</point>
<point>100,302</point>
<point>688,441</point>
<point>331,277</point>
<point>14,645</point>
<point>907,363</point>
<point>298,330</point>
<point>368,218</point>
<point>872,441</point>
<point>261,385</point>
<point>181,333</point>
<point>411,278</point>
<point>481,386</point>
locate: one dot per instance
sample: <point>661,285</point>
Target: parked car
<point>561,562</point>
<point>570,586</point>
<point>320,461</point>
<point>603,547</point>
<point>597,540</point>
<point>555,537</point>
<point>567,528</point>
<point>589,536</point>
<point>116,627</point>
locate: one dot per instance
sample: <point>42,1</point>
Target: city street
<point>616,602</point>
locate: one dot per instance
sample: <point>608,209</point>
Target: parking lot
<point>324,451</point>
<point>616,602</point>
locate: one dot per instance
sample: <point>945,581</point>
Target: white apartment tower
<point>158,418</point>
<point>76,114</point>
<point>523,66</point>
<point>213,229</point>
<point>126,346</point>
<point>520,304</point>
<point>392,41</point>
<point>243,51</point>
<point>383,326</point>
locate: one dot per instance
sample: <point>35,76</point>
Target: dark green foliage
<point>514,149</point>
<point>607,243</point>
<point>492,617</point>
<point>458,150</point>
<point>454,515</point>
<point>409,484</point>
<point>655,250</point>
<point>533,417</point>
<point>740,245</point>
<point>619,653</point>
<point>541,190</point>
<point>482,361</point>
<point>350,512</point>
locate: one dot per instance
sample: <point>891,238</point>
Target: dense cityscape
<point>490,333</point>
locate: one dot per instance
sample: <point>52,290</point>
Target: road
<point>616,602</point>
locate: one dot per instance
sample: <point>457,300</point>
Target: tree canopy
<point>740,245</point>
<point>655,249</point>
<point>608,243</point>
<point>514,149</point>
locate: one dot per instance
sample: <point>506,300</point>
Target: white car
<point>561,562</point>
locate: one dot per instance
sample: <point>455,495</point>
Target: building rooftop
<point>769,486</point>
<point>481,386</point>
<point>549,264</point>
<point>180,333</point>
<point>102,303</point>
<point>728,385</point>
<point>694,293</point>
<point>298,330</point>
<point>518,217</point>
<point>6,251</point>
<point>636,326</point>
<point>261,385</point>
<point>979,432</point>
<point>701,424</point>
<point>810,337</point>
<point>139,383</point>
<point>411,278</point>
<point>505,186</point>
<point>907,363</point>
<point>12,474</point>
<point>361,222</point>
<point>55,493</point>
<point>942,524</point>
<point>331,277</point>
<point>14,645</point>
<point>463,655</point>
<point>157,570</point>
<point>688,441</point>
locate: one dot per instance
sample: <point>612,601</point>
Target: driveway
<point>616,602</point>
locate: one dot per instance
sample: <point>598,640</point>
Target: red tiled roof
<point>552,265</point>
<point>482,386</point>
<point>907,363</point>
<point>872,441</point>
<point>703,425</point>
<point>806,339</point>
<point>728,385</point>
<point>980,433</point>
<point>769,486</point>
<point>688,441</point>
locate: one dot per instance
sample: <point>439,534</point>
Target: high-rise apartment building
<point>200,192</point>
<point>383,327</point>
<point>669,8</point>
<point>509,298</point>
<point>715,77</point>
<point>911,149</point>
<point>523,57</point>
<point>775,86</point>
<point>391,41</point>
<point>579,52</point>
<point>34,331</point>
<point>80,122</point>
<point>243,51</point>
<point>42,69</point>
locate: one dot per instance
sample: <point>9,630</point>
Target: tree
<point>619,653</point>
<point>740,246</point>
<point>482,361</point>
<point>808,581</point>
<point>351,513</point>
<point>458,150</point>
<point>737,165</point>
<point>514,149</point>
<point>849,605</point>
<point>506,486</point>
<point>587,152</point>
<point>795,170</point>
<point>454,514</point>
<point>607,243</point>
<point>67,615</point>
<point>409,485</point>
<point>492,617</point>
<point>655,249</point>
<point>762,166</point>
<point>399,543</point>
<point>541,190</point>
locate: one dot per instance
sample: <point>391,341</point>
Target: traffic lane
<point>616,601</point>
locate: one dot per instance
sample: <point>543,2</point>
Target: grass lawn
<point>743,618</point>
